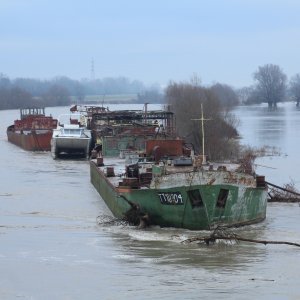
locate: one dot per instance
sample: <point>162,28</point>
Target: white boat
<point>71,137</point>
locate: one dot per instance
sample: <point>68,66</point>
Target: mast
<point>202,132</point>
<point>146,110</point>
<point>202,127</point>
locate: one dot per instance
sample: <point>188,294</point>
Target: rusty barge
<point>33,131</point>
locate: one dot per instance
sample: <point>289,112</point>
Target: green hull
<point>197,206</point>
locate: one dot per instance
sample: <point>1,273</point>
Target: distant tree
<point>15,97</point>
<point>33,86</point>
<point>195,79</point>
<point>109,86</point>
<point>226,95</point>
<point>57,96</point>
<point>271,84</point>
<point>76,88</point>
<point>249,95</point>
<point>185,101</point>
<point>79,92</point>
<point>150,96</point>
<point>244,94</point>
<point>60,89</point>
<point>294,88</point>
<point>4,81</point>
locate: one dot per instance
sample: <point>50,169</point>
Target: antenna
<point>92,70</point>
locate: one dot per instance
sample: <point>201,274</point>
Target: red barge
<point>33,132</point>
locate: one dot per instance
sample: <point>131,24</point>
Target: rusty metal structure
<point>33,131</point>
<point>123,130</point>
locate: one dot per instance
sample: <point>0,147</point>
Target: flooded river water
<point>51,246</point>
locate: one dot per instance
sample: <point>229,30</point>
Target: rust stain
<point>123,189</point>
<point>211,181</point>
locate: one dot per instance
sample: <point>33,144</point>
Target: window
<point>222,198</point>
<point>195,198</point>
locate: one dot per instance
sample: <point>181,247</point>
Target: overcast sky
<point>154,41</point>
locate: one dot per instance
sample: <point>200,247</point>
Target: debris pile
<point>287,193</point>
<point>222,234</point>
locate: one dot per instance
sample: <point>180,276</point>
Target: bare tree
<point>244,94</point>
<point>16,97</point>
<point>185,101</point>
<point>271,84</point>
<point>150,96</point>
<point>295,88</point>
<point>226,94</point>
<point>57,96</point>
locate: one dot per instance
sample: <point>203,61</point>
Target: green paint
<point>244,205</point>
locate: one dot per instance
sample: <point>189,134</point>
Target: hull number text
<point>171,198</point>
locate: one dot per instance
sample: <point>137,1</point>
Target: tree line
<point>24,92</point>
<point>270,85</point>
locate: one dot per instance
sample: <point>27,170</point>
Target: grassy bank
<point>105,99</point>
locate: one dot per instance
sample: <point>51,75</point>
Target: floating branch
<point>211,239</point>
<point>223,235</point>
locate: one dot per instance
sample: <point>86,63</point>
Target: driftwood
<point>221,234</point>
<point>133,217</point>
<point>287,193</point>
<point>211,239</point>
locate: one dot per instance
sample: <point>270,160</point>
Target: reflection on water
<point>269,127</point>
<point>261,127</point>
<point>53,248</point>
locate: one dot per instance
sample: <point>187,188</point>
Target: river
<point>51,246</point>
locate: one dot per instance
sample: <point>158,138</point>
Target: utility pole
<point>203,138</point>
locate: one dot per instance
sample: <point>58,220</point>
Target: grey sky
<point>153,41</point>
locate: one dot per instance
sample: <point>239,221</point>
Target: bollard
<point>100,161</point>
<point>93,154</point>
